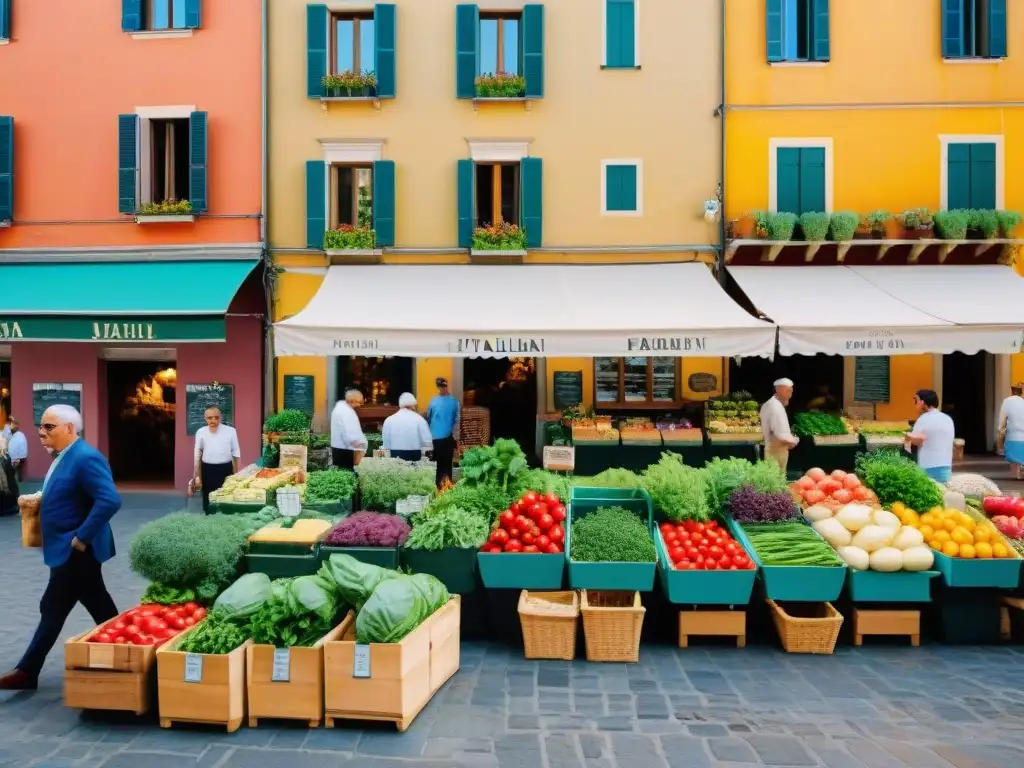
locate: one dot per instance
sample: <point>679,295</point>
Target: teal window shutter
<point>197,152</point>
<point>983,176</point>
<point>812,179</point>
<point>5,19</point>
<point>131,17</point>
<point>193,14</point>
<point>787,180</point>
<point>127,162</point>
<point>6,168</point>
<point>620,193</point>
<point>531,207</point>
<point>316,50</point>
<point>467,203</point>
<point>952,29</point>
<point>316,203</point>
<point>822,48</point>
<point>384,202</point>
<point>773,30</point>
<point>467,47</point>
<point>958,176</point>
<point>533,50</point>
<point>997,48</point>
<point>385,32</point>
<point>620,34</point>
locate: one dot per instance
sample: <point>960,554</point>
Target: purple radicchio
<point>748,505</point>
<point>369,529</point>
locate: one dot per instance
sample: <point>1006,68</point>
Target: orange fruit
<point>952,549</point>
<point>942,535</point>
<point>1000,550</point>
<point>967,551</point>
<point>949,524</point>
<point>927,531</point>
<point>983,549</point>
<point>961,536</point>
<point>898,508</point>
<point>936,545</point>
<point>982,534</point>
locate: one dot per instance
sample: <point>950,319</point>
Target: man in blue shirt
<point>443,415</point>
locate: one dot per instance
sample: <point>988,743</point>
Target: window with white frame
<point>622,187</point>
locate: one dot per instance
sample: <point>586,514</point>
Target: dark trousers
<point>213,477</point>
<point>444,454</point>
<point>9,500</point>
<point>407,455</point>
<point>79,580</point>
<point>343,458</point>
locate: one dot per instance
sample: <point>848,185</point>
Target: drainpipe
<point>269,277</point>
<point>721,171</point>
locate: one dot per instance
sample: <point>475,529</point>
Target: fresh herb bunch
<point>383,482</point>
<point>288,420</point>
<point>613,477</point>
<point>540,481</point>
<point>369,529</point>
<point>724,476</point>
<point>815,423</point>
<point>214,635</point>
<point>611,535</point>
<point>452,527</point>
<point>484,501</point>
<point>298,612</point>
<point>250,522</point>
<point>767,477</point>
<point>327,485</point>
<point>495,464</point>
<point>164,595</point>
<point>679,491</point>
<point>894,477</point>
<point>749,505</point>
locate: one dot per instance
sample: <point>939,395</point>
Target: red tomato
<point>189,622</point>
<point>696,537</point>
<point>531,548</point>
<point>523,522</point>
<point>538,510</point>
<point>677,554</point>
<point>515,508</point>
<point>710,564</point>
<point>528,539</point>
<point>143,640</point>
<point>199,613</point>
<point>691,552</point>
<point>552,549</point>
<point>551,499</point>
<point>120,624</point>
<point>691,567</point>
<point>514,533</point>
<point>545,522</point>
<point>731,548</point>
<point>119,640</point>
<point>733,568</point>
<point>666,528</point>
<point>499,536</point>
<point>741,561</point>
<point>711,525</point>
<point>543,541</point>
<point>529,498</point>
<point>507,518</point>
<point>154,625</point>
<point>716,551</point>
<point>556,534</point>
<point>101,637</point>
<point>131,631</point>
<point>486,548</point>
<point>557,512</point>
<point>179,623</point>
<point>149,610</point>
<point>699,527</point>
<point>682,535</point>
<point>514,545</point>
<point>670,537</point>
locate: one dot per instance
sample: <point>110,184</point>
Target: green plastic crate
<point>634,577</point>
<point>898,587</point>
<point>280,548</point>
<point>703,587</point>
<point>282,566</point>
<point>333,508</point>
<point>385,557</point>
<point>511,570</point>
<point>1003,573</point>
<point>796,583</point>
<point>235,507</point>
<point>455,568</point>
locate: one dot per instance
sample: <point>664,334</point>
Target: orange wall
<point>72,71</point>
<point>907,374</point>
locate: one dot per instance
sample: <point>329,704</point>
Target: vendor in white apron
<point>216,455</point>
<point>778,440</point>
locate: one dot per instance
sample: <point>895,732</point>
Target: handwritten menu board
<point>568,386</point>
<point>871,379</point>
<point>47,394</point>
<point>199,397</point>
<point>298,393</point>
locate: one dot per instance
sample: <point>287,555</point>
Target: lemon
<point>982,534</point>
<point>898,508</point>
<point>927,531</point>
<point>950,524</point>
<point>961,536</point>
<point>1000,550</point>
<point>942,535</point>
<point>967,551</point>
<point>983,549</point>
<point>952,549</point>
<point>935,544</point>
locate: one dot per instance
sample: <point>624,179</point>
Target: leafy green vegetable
<point>398,606</point>
<point>495,464</point>
<point>679,491</point>
<point>298,612</point>
<point>613,477</point>
<point>288,420</point>
<point>540,481</point>
<point>243,598</point>
<point>383,482</point>
<point>723,477</point>
<point>484,501</point>
<point>214,635</point>
<point>355,580</point>
<point>766,477</point>
<point>790,544</point>
<point>815,423</point>
<point>452,527</point>
<point>164,595</point>
<point>327,485</point>
<point>611,535</point>
<point>895,477</point>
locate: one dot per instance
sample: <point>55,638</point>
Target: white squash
<point>886,560</point>
<point>854,516</point>
<point>855,557</point>
<point>907,537</point>
<point>885,519</point>
<point>872,537</point>
<point>832,531</point>
<point>817,512</point>
<point>918,559</point>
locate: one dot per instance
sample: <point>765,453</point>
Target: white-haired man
<point>778,440</point>
<point>79,499</point>
<point>406,434</point>
<point>346,432</point>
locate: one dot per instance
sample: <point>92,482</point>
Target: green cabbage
<point>244,597</point>
<point>398,606</point>
<point>356,580</point>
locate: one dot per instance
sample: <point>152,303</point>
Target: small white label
<point>282,665</point>
<point>558,458</point>
<point>193,668</point>
<point>361,661</point>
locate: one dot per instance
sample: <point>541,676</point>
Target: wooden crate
<point>712,624</point>
<point>402,676</point>
<point>217,698</point>
<point>893,623</point>
<point>79,654</point>
<point>301,696</point>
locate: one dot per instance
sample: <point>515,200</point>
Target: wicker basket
<point>549,631</point>
<point>814,632</point>
<point>475,426</point>
<point>31,525</point>
<point>611,625</point>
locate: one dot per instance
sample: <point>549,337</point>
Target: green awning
<point>179,301</point>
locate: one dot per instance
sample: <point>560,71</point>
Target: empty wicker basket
<point>549,621</point>
<point>815,631</point>
<point>611,625</point>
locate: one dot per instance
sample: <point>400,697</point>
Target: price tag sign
<point>361,661</point>
<point>282,665</point>
<point>193,668</point>
<point>559,458</point>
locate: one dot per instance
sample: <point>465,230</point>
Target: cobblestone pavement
<point>877,707</point>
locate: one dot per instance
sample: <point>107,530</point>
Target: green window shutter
<point>316,203</point>
<point>131,17</point>
<point>958,177</point>
<point>6,168</point>
<point>467,46</point>
<point>620,34</point>
<point>952,29</point>
<point>193,14</point>
<point>997,48</point>
<point>197,152</point>
<point>822,48</point>
<point>385,32</point>
<point>773,30</point>
<point>533,50</point>
<point>5,19</point>
<point>127,162</point>
<point>384,202</point>
<point>316,50</point>
<point>531,206</point>
<point>983,176</point>
<point>467,203</point>
<point>812,180</point>
<point>787,180</point>
<point>620,191</point>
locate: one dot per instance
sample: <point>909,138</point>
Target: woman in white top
<point>216,455</point>
<point>1011,428</point>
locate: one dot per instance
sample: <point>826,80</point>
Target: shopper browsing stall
<point>778,440</point>
<point>405,433</point>
<point>443,415</point>
<point>216,454</point>
<point>933,436</point>
<point>347,436</point>
<point>17,447</point>
<point>1010,427</point>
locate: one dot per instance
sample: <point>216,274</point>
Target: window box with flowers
<point>348,238</point>
<point>500,86</point>
<point>166,212</point>
<point>350,85</point>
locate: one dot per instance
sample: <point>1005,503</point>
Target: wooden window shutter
<point>316,49</point>
<point>198,145</point>
<point>384,202</point>
<point>533,50</point>
<point>467,202</point>
<point>467,45</point>
<point>316,203</point>
<point>385,33</point>
<point>531,207</point>
<point>127,163</point>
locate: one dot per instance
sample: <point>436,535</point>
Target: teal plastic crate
<point>898,587</point>
<point>455,568</point>
<point>795,583</point>
<point>992,573</point>
<point>702,587</point>
<point>282,566</point>
<point>634,577</point>
<point>385,557</point>
<point>510,570</point>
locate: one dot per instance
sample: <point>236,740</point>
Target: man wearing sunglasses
<point>79,500</point>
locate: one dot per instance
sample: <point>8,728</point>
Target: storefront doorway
<point>967,396</point>
<point>141,405</point>
<point>508,387</point>
<point>817,379</point>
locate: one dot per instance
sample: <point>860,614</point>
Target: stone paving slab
<point>929,707</point>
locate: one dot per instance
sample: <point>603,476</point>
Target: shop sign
<point>668,344</point>
<point>355,345</point>
<point>499,345</point>
<point>879,340</point>
<point>118,329</point>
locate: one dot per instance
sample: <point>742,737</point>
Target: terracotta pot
<point>743,227</point>
<point>893,229</point>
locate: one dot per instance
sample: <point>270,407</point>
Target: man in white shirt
<point>1010,429</point>
<point>216,454</point>
<point>933,435</point>
<point>778,440</point>
<point>347,436</point>
<point>17,447</point>
<point>406,434</point>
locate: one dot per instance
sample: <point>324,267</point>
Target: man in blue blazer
<point>79,499</point>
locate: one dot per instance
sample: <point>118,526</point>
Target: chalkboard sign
<point>871,379</point>
<point>568,389</point>
<point>298,393</point>
<point>45,395</point>
<point>199,397</point>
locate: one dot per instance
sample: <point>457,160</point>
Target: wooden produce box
<point>391,681</point>
<point>201,688</point>
<point>291,688</point>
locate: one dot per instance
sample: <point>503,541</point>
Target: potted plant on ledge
<point>165,212</point>
<point>982,224</point>
<point>843,225</point>
<point>500,85</point>
<point>350,238</point>
<point>952,225</point>
<point>501,237</point>
<point>349,84</point>
<point>878,224</point>
<point>1008,222</point>
<point>917,223</point>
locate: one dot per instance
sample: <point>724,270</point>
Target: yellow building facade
<point>606,151</point>
<point>877,100</point>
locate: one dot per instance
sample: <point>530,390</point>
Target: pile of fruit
<point>1007,513</point>
<point>955,533</point>
<point>833,490</point>
<point>693,546</point>
<point>734,413</point>
<point>531,525</point>
<point>148,624</point>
